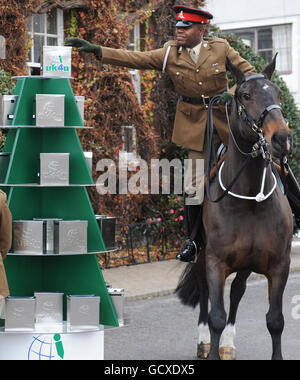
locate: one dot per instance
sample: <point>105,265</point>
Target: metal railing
<point>142,243</point>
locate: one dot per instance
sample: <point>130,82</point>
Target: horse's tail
<point>188,288</point>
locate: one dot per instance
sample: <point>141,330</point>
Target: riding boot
<point>293,195</point>
<point>193,244</point>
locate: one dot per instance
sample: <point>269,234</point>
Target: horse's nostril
<point>281,143</point>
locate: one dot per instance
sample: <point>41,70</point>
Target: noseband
<point>261,146</point>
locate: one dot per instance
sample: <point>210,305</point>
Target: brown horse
<point>250,229</point>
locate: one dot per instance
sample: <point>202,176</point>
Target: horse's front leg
<point>217,315</point>
<point>275,320</point>
<point>238,287</point>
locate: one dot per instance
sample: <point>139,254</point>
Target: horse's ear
<point>237,74</point>
<point>269,70</point>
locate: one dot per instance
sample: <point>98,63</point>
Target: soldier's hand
<point>83,45</point>
<point>226,97</point>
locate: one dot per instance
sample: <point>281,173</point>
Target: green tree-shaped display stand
<point>27,199</point>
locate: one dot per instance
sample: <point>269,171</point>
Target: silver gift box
<point>117,297</point>
<point>20,314</point>
<point>54,169</point>
<point>29,236</point>
<point>49,232</point>
<point>89,160</point>
<point>83,312</point>
<point>50,110</point>
<point>80,105</point>
<point>49,309</point>
<point>7,108</point>
<point>70,236</point>
<point>56,61</point>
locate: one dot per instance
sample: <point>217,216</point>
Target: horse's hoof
<point>203,350</point>
<point>227,353</point>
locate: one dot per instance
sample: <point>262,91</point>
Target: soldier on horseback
<point>197,67</point>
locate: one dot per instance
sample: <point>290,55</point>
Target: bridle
<point>260,148</point>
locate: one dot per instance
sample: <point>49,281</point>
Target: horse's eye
<point>246,96</point>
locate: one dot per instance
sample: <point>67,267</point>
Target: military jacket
<point>205,78</point>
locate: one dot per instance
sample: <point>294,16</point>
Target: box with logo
<point>54,169</point>
<point>80,105</point>
<point>29,237</point>
<point>70,236</point>
<point>57,61</point>
<point>49,233</point>
<point>50,110</point>
<point>49,309</point>
<point>7,109</point>
<point>20,314</point>
<point>117,297</point>
<point>107,226</point>
<point>83,312</point>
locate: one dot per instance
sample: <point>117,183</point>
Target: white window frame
<point>135,45</point>
<point>59,35</point>
<point>255,47</point>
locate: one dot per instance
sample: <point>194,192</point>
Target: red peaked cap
<point>191,15</point>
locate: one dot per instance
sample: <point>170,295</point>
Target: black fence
<point>143,243</point>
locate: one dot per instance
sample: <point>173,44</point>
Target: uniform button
<point>197,71</point>
<point>217,70</point>
<point>200,83</point>
<point>177,73</point>
<point>205,45</point>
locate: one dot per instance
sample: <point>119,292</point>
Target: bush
<point>6,83</point>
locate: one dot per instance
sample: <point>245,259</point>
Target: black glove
<point>83,45</point>
<point>226,97</point>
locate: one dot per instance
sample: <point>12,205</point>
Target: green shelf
<point>69,274</point>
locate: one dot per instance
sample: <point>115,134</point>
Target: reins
<point>260,148</point>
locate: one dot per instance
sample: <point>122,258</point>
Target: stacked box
<point>70,236</point>
<point>107,226</point>
<point>54,170</point>
<point>29,236</point>
<point>7,109</point>
<point>49,232</point>
<point>49,309</point>
<point>50,110</point>
<point>20,314</point>
<point>57,61</point>
<point>83,312</point>
<point>117,297</point>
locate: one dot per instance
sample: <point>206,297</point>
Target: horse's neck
<point>250,180</point>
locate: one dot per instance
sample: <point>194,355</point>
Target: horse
<point>248,221</point>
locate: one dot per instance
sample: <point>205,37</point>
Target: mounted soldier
<point>197,66</point>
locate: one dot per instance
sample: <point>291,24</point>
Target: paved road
<point>162,328</point>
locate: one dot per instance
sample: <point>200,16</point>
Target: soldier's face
<point>191,36</point>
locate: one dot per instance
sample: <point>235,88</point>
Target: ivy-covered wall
<point>110,97</point>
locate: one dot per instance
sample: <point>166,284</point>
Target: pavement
<point>160,278</point>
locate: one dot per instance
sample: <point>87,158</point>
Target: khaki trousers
<point>194,178</point>
<point>5,241</point>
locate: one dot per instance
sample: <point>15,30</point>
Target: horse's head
<point>257,104</point>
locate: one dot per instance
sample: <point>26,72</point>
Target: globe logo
<point>46,347</point>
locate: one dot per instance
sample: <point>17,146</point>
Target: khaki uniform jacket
<point>5,241</point>
<point>207,78</point>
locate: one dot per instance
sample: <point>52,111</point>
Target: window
<point>2,48</point>
<point>134,45</point>
<point>269,40</point>
<point>127,155</point>
<point>44,30</point>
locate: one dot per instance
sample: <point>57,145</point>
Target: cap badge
<point>181,15</point>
